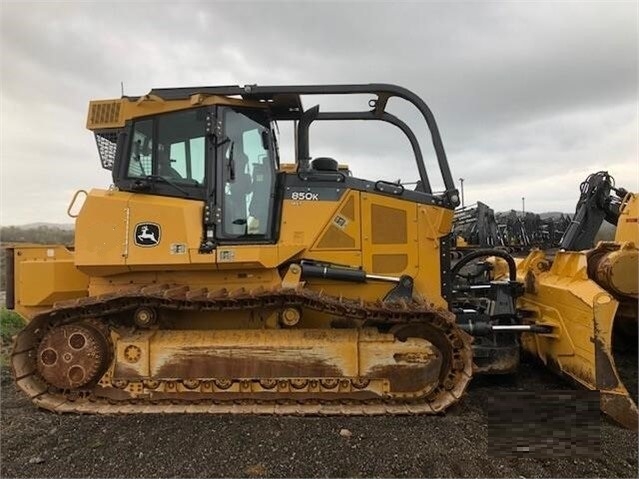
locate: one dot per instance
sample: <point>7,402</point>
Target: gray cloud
<point>529,97</point>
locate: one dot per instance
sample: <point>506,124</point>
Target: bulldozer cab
<point>218,145</point>
<point>172,154</point>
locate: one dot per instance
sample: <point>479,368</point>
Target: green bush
<point>10,324</point>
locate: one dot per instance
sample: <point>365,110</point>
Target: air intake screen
<point>107,142</point>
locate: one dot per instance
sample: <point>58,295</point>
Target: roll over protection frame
<point>285,104</point>
<point>369,115</point>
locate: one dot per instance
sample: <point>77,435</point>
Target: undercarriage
<point>122,352</point>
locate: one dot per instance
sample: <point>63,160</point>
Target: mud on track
<point>41,444</point>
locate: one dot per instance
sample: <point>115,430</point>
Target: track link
<point>454,344</point>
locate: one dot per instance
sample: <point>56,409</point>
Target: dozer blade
<point>581,315</point>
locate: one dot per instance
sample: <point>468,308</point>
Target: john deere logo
<point>147,234</point>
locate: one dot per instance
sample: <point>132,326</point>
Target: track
<point>454,344</point>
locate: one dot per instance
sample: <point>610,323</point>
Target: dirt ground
<point>41,444</point>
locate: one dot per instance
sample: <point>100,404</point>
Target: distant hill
<point>543,216</point>
<point>554,214</point>
<point>42,233</point>
<point>60,226</point>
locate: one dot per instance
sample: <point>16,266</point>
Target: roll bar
<point>303,146</point>
<point>285,104</point>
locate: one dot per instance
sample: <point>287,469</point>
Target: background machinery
<point>478,226</point>
<point>584,296</point>
<point>212,277</point>
<point>588,297</point>
<point>475,226</point>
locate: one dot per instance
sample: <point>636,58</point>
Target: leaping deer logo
<point>147,234</point>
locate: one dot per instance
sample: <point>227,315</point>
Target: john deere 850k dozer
<point>214,278</point>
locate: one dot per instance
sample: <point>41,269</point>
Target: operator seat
<point>164,165</point>
<point>324,164</point>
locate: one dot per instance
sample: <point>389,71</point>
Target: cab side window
<point>261,171</point>
<point>248,175</point>
<point>141,157</point>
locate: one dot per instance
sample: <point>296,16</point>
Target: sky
<point>530,97</point>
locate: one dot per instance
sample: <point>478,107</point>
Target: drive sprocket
<point>73,356</point>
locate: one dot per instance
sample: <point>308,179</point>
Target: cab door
<point>246,175</point>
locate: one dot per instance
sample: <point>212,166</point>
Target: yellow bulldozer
<point>213,277</point>
<point>588,298</point>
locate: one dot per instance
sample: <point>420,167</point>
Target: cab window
<point>248,174</point>
<point>140,160</point>
<point>171,146</point>
<point>181,146</point>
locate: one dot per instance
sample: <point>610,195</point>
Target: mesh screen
<point>107,142</point>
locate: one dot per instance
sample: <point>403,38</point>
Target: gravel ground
<point>41,444</point>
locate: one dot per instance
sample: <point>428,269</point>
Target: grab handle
<point>73,200</point>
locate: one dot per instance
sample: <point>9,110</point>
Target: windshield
<point>170,146</point>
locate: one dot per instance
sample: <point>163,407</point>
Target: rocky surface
<point>41,444</point>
